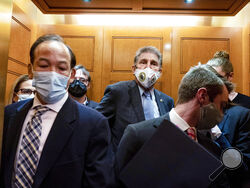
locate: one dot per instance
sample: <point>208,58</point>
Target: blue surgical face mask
<point>50,86</point>
<point>25,96</point>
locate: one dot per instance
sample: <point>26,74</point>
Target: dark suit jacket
<point>242,100</point>
<point>92,104</point>
<point>75,153</point>
<point>122,105</point>
<point>235,126</point>
<point>137,134</point>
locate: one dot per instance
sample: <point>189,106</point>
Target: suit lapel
<point>13,133</point>
<point>61,131</point>
<point>160,102</point>
<point>135,98</point>
<point>222,124</point>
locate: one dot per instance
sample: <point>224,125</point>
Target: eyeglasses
<point>27,91</point>
<point>83,80</point>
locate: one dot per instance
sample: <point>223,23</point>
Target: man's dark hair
<point>51,37</point>
<point>84,71</point>
<point>19,81</point>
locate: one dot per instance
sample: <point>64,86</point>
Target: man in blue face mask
<point>52,140</point>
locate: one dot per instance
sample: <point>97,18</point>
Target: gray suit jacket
<point>122,105</point>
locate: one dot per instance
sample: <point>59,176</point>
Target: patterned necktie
<point>27,159</point>
<point>191,133</point>
<point>148,106</point>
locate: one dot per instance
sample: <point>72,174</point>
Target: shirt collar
<point>232,95</point>
<point>177,120</point>
<point>86,101</point>
<point>56,106</point>
<point>141,90</point>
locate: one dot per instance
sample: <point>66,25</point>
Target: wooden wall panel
<point>84,48</point>
<point>205,41</point>
<point>194,50</point>
<point>87,44</point>
<point>19,48</point>
<point>16,68</point>
<point>120,46</point>
<point>124,48</point>
<point>19,42</point>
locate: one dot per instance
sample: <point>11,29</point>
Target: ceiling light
<point>188,1</point>
<point>86,1</point>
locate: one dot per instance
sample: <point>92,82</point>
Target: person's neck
<point>41,101</point>
<point>80,99</point>
<point>189,112</point>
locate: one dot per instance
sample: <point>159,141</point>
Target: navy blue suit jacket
<point>92,104</point>
<point>122,105</point>
<point>242,100</point>
<point>76,153</point>
<point>235,127</point>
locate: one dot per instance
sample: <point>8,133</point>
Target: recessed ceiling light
<point>188,1</point>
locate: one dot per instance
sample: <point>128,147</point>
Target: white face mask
<point>50,86</point>
<point>147,77</point>
<point>25,96</point>
<point>209,117</point>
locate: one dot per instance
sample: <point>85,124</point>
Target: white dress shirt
<point>178,121</point>
<point>155,107</point>
<point>48,119</point>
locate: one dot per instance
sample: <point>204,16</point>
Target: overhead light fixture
<point>86,1</point>
<point>188,1</point>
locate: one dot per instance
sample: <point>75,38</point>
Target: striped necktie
<point>27,159</point>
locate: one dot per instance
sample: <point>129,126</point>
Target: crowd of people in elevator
<point>55,136</point>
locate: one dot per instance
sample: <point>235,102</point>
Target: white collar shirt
<point>178,121</point>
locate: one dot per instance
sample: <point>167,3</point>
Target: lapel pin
<point>161,100</point>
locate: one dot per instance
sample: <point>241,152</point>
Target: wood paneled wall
<point>20,39</point>
<point>108,52</point>
<point>87,44</point>
<point>198,44</point>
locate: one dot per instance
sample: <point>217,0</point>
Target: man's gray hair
<point>199,77</point>
<point>150,49</point>
<point>84,71</point>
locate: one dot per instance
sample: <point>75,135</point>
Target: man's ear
<point>73,73</point>
<point>230,76</point>
<point>88,86</point>
<point>30,71</point>
<point>133,68</point>
<point>160,70</point>
<point>202,96</point>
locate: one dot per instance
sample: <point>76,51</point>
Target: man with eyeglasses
<point>134,101</point>
<point>79,85</point>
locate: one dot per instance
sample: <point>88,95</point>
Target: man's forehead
<point>79,74</point>
<point>148,55</point>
